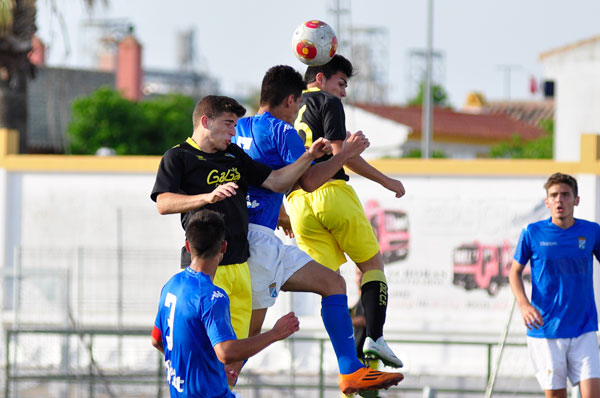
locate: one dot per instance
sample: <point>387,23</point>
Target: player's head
<point>205,234</point>
<point>215,118</point>
<point>332,77</point>
<point>560,178</point>
<point>213,106</point>
<point>279,83</point>
<point>561,196</point>
<point>281,92</point>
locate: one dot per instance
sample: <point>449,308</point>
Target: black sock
<point>374,299</point>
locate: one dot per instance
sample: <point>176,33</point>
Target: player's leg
<point>589,388</point>
<point>313,277</point>
<point>346,219</point>
<point>235,280</point>
<point>256,321</point>
<point>549,360</point>
<point>584,364</point>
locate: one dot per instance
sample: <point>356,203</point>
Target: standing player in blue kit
<point>561,318</point>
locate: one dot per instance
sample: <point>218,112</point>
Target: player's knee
<point>335,284</point>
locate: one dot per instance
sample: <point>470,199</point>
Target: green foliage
<point>517,148</point>
<point>439,96</point>
<point>416,153</point>
<point>106,119</point>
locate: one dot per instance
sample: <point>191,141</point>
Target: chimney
<point>129,68</point>
<point>37,55</point>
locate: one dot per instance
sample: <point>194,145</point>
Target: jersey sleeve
<point>523,250</point>
<point>597,242</point>
<point>253,171</point>
<point>291,146</point>
<point>334,120</point>
<point>168,177</point>
<point>217,318</point>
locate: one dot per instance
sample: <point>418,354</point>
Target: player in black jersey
<point>208,171</point>
<point>331,221</point>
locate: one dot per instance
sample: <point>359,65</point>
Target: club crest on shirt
<point>581,242</point>
<point>273,289</point>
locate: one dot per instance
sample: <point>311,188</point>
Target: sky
<point>238,40</point>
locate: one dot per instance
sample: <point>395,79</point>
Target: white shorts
<point>556,359</point>
<point>271,264</point>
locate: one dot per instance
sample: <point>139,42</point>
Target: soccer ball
<point>314,43</point>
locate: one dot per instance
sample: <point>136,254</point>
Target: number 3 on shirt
<point>170,302</point>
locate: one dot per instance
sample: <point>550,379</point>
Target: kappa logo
<point>252,205</point>
<point>581,240</point>
<point>216,295</point>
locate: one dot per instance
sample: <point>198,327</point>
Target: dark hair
<point>560,178</point>
<point>214,105</point>
<point>205,232</point>
<point>337,64</point>
<point>279,82</point>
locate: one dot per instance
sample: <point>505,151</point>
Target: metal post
<point>120,282</point>
<point>427,112</point>
<point>321,370</point>
<point>428,392</point>
<point>7,369</point>
<point>491,381</point>
<point>159,376</point>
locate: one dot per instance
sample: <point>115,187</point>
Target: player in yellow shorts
<point>331,221</point>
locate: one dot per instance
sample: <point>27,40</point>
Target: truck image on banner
<point>391,230</point>
<point>482,266</point>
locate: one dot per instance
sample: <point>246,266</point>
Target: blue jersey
<point>193,316</point>
<point>561,276</point>
<point>275,143</point>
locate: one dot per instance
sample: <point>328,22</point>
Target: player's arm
<point>360,166</point>
<point>531,316</point>
<point>157,340</point>
<point>284,223</point>
<point>170,203</point>
<point>282,179</point>
<point>319,173</point>
<point>230,351</point>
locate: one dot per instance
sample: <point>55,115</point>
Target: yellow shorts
<point>330,221</point>
<point>235,280</point>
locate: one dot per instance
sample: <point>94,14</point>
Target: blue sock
<point>337,321</point>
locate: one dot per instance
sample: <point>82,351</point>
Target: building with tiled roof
<point>456,134</point>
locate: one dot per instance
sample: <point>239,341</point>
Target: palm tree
<point>17,27</point>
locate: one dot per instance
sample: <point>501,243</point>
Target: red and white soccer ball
<point>314,43</point>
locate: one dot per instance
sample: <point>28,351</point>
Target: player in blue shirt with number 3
<point>193,325</point>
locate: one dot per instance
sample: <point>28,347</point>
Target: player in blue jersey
<point>193,326</point>
<point>561,318</point>
<point>270,138</point>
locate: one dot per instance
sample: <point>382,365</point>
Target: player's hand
<point>232,375</point>
<point>531,316</point>
<point>320,147</point>
<point>285,224</point>
<point>286,326</point>
<point>222,192</point>
<point>395,186</point>
<point>354,144</point>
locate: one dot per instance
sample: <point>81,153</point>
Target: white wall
<point>576,73</point>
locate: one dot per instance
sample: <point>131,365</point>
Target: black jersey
<point>321,115</point>
<point>185,169</point>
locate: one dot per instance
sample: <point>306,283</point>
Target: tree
<point>106,119</point>
<point>517,148</point>
<point>439,96</point>
<point>416,153</point>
